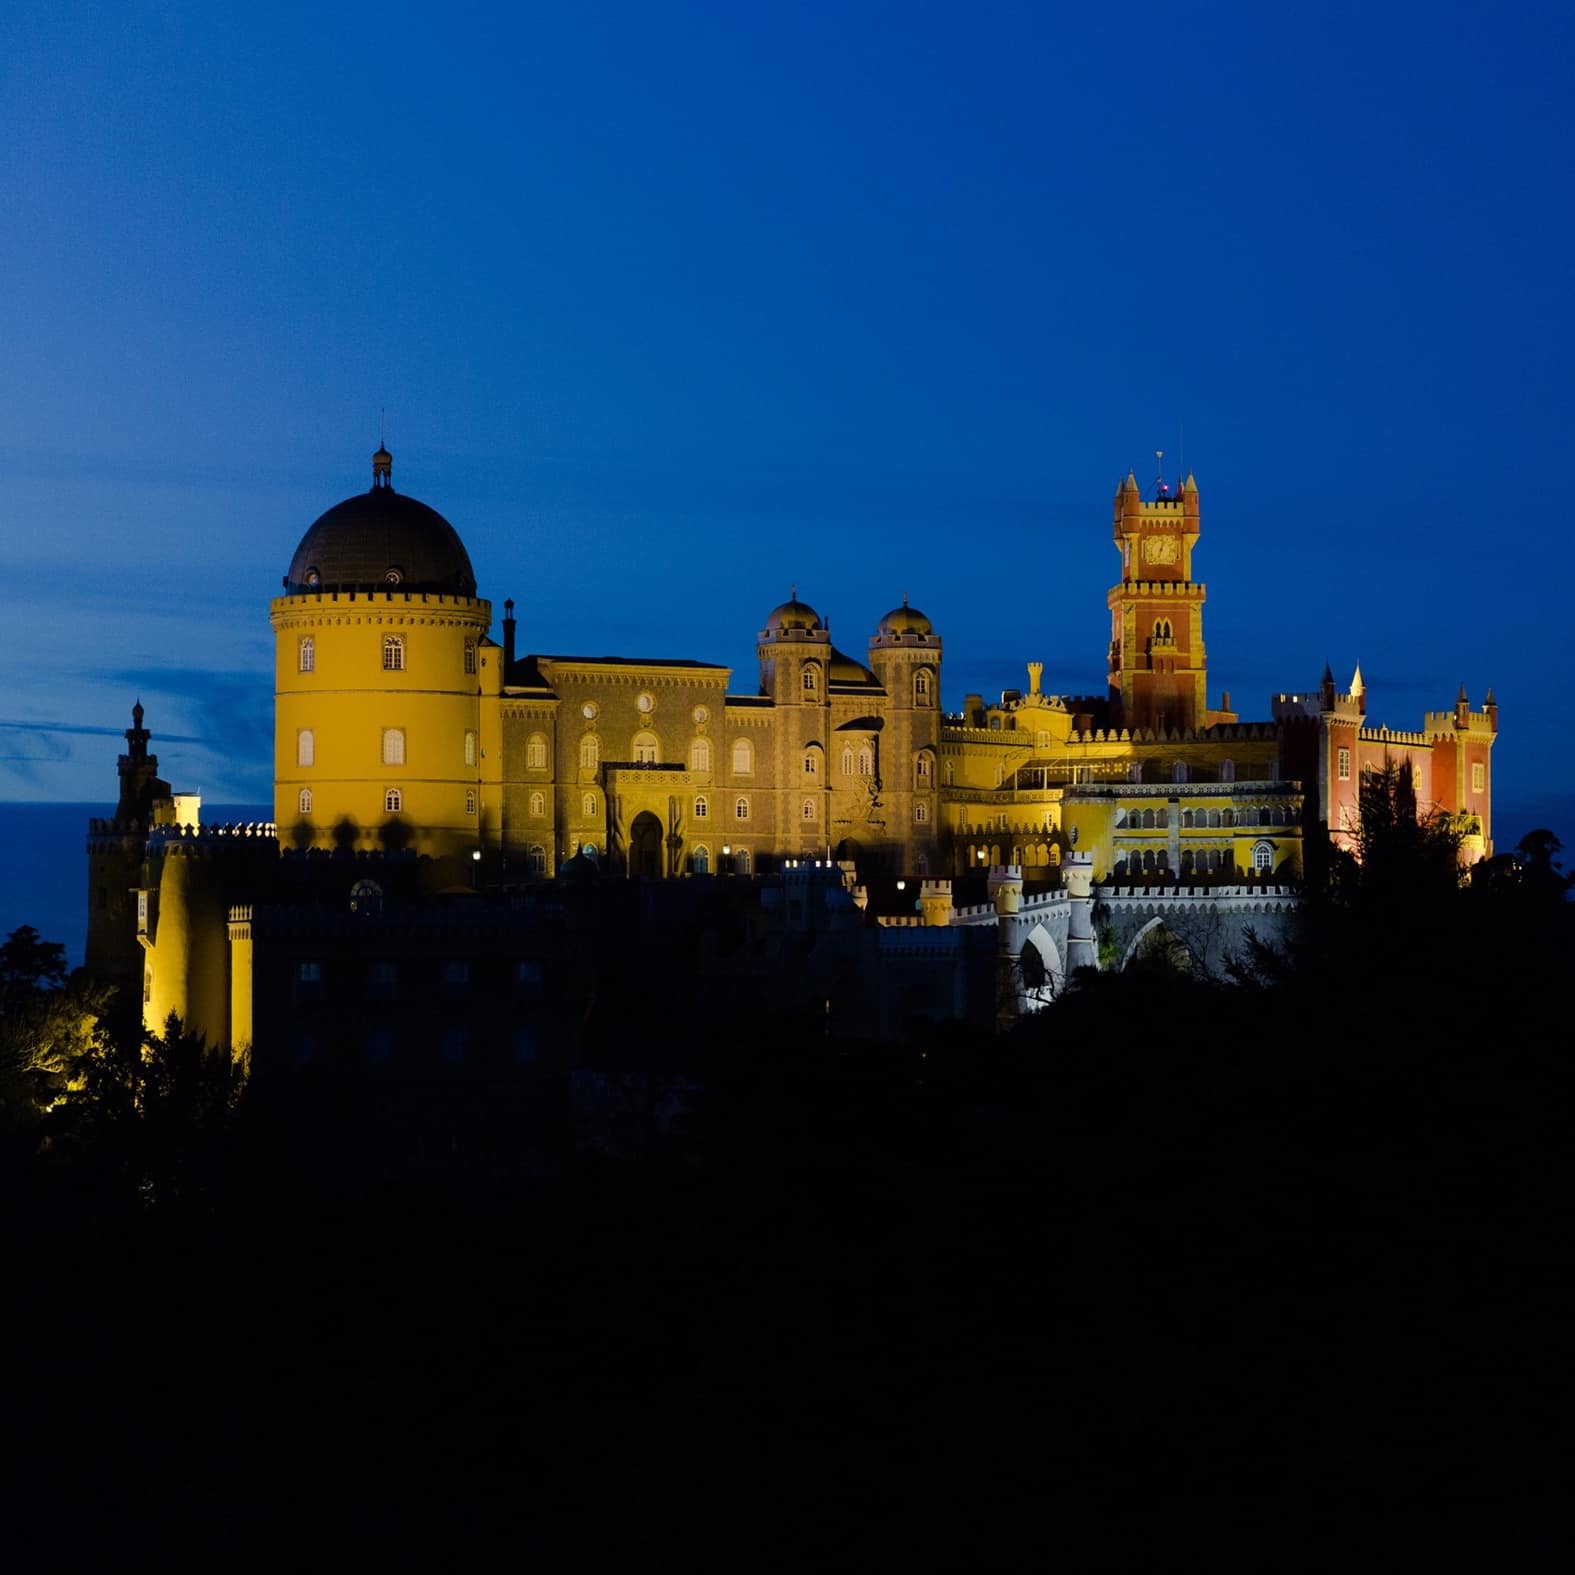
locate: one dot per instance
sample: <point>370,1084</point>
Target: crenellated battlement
<point>196,841</point>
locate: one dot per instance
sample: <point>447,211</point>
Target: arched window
<point>590,806</point>
<point>305,748</point>
<point>538,806</point>
<point>742,862</point>
<point>1214,817</point>
<point>1053,854</point>
<point>646,749</point>
<point>536,752</point>
<point>536,859</point>
<point>811,678</point>
<point>393,653</point>
<point>921,686</point>
<point>470,656</point>
<point>947,773</point>
<point>1227,771</point>
<point>590,752</point>
<point>743,757</point>
<point>1178,772</point>
<point>702,860</point>
<point>866,763</point>
<point>1186,819</point>
<point>702,808</point>
<point>1263,857</point>
<point>1186,861</point>
<point>700,755</point>
<point>1148,820</point>
<point>1227,817</point>
<point>847,760</point>
<point>923,769</point>
<point>741,809</point>
<point>470,747</point>
<point>470,801</point>
<point>921,813</point>
<point>809,809</point>
<point>393,746</point>
<point>1135,771</point>
<point>306,654</point>
<point>1265,817</point>
<point>812,762</point>
<point>1162,818</point>
<point>304,802</point>
<point>393,801</point>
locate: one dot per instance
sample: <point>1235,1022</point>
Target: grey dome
<point>382,540</point>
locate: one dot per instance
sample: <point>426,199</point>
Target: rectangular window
<point>470,748</point>
<point>306,654</point>
<point>470,656</point>
<point>393,746</point>
<point>1343,765</point>
<point>1478,777</point>
<point>393,653</point>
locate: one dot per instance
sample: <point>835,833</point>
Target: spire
<point>1461,698</point>
<point>1328,674</point>
<point>1490,700</point>
<point>1131,484</point>
<point>1189,485</point>
<point>1357,686</point>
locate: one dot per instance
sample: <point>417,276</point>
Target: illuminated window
<point>393,801</point>
<point>741,809</point>
<point>306,654</point>
<point>536,752</point>
<point>811,678</point>
<point>538,806</point>
<point>921,687</point>
<point>922,770</point>
<point>811,763</point>
<point>470,748</point>
<point>702,809</point>
<point>700,755</point>
<point>921,812</point>
<point>305,747</point>
<point>590,806</point>
<point>1478,776</point>
<point>646,749</point>
<point>470,656</point>
<point>393,653</point>
<point>304,803</point>
<point>393,746</point>
<point>1343,765</point>
<point>1263,857</point>
<point>743,757</point>
<point>590,752</point>
<point>809,809</point>
<point>702,861</point>
<point>470,801</point>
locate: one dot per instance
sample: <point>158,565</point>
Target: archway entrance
<point>849,851</point>
<point>645,846</point>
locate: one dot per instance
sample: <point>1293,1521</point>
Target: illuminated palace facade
<point>403,728</point>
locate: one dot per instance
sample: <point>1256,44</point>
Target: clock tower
<point>1158,671</point>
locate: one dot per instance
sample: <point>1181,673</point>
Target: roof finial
<point>793,593</point>
<point>382,468</point>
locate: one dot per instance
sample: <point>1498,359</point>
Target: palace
<point>414,753</point>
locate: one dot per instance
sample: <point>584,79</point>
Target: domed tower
<point>795,673</point>
<point>377,729</point>
<point>905,655</point>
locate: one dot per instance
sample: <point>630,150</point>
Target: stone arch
<point>645,845</point>
<point>1157,946</point>
<point>1040,969</point>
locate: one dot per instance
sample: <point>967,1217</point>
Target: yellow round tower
<point>377,726</point>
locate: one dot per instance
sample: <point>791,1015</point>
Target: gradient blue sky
<point>671,306</point>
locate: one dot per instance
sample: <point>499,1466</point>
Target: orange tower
<point>1158,671</point>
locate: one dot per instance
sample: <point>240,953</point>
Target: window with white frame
<point>1263,857</point>
<point>306,654</point>
<point>811,762</point>
<point>702,809</point>
<point>922,770</point>
<point>393,653</point>
<point>393,801</point>
<point>538,806</point>
<point>847,761</point>
<point>305,748</point>
<point>866,763</point>
<point>536,752</point>
<point>470,801</point>
<point>590,752</point>
<point>743,757</point>
<point>470,747</point>
<point>921,686</point>
<point>809,809</point>
<point>304,802</point>
<point>393,746</point>
<point>470,656</point>
<point>646,749</point>
<point>1343,765</point>
<point>1478,776</point>
<point>811,678</point>
<point>700,755</point>
<point>741,809</point>
<point>921,812</point>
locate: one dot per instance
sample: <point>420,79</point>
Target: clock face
<point>1161,549</point>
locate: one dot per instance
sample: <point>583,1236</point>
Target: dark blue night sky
<point>671,307</point>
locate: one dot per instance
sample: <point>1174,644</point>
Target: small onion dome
<point>905,620</point>
<point>842,669</point>
<point>794,614</point>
